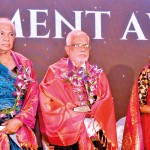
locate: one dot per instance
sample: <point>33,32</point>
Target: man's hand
<point>85,108</point>
<point>12,126</point>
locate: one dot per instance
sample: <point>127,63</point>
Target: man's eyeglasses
<point>80,46</point>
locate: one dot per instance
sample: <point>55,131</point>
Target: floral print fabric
<point>143,84</point>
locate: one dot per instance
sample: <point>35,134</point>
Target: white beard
<point>81,61</point>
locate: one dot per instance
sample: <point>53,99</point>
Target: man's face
<point>78,51</point>
<point>7,37</point>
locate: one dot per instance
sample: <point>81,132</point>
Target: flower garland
<point>21,83</point>
<point>84,84</point>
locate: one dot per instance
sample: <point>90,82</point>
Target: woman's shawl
<point>132,137</point>
<point>59,124</point>
<point>25,135</point>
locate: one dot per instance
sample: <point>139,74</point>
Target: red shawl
<point>132,137</point>
<point>59,124</point>
<point>25,135</point>
<point>137,127</point>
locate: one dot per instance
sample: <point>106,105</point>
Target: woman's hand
<point>12,126</point>
<point>145,109</point>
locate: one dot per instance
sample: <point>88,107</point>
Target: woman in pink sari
<point>18,94</point>
<point>137,127</point>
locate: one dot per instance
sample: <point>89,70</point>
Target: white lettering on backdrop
<point>60,20</point>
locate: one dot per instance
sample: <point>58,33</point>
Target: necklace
<point>84,83</point>
<point>22,79</point>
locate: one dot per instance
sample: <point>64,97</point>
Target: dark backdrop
<point>119,32</point>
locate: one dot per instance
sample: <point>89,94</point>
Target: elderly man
<point>76,106</point>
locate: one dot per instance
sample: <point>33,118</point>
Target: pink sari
<point>62,126</point>
<point>133,136</point>
<point>145,121</point>
<point>25,135</point>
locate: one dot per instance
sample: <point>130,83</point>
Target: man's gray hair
<point>73,34</point>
